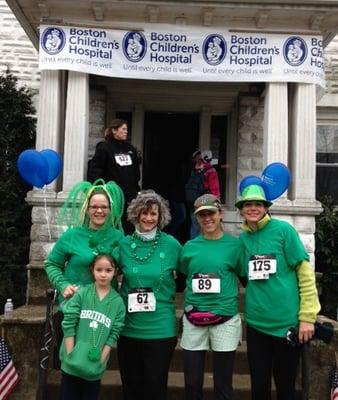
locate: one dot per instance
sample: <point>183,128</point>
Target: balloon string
<point>46,212</point>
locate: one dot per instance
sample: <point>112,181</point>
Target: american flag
<point>8,375</point>
<point>334,384</point>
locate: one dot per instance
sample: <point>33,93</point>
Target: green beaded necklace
<point>156,243</point>
<point>94,353</point>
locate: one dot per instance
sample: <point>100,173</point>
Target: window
<point>327,159</point>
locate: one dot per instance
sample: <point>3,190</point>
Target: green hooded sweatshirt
<point>93,323</point>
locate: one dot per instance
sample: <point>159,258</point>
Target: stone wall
<point>97,114</point>
<point>250,136</point>
<point>331,64</point>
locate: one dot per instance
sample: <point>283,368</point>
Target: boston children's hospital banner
<point>184,54</point>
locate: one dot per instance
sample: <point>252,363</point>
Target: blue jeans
<point>178,216</point>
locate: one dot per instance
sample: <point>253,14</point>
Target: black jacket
<point>116,160</point>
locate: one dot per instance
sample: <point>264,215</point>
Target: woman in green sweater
<point>148,260</point>
<point>92,214</point>
<point>280,294</point>
<point>211,320</point>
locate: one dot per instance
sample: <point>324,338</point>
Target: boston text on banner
<point>165,52</point>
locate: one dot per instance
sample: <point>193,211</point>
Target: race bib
<point>123,159</point>
<point>141,300</point>
<point>261,266</point>
<point>206,283</point>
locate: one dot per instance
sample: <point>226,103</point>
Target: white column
<point>204,129</point>
<point>275,138</point>
<point>275,132</point>
<point>49,111</point>
<point>76,129</point>
<point>303,143</point>
<point>48,134</point>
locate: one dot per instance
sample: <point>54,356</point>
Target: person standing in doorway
<point>116,160</point>
<point>203,179</point>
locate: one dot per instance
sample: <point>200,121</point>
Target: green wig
<point>74,210</point>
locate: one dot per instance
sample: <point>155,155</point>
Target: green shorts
<point>222,337</point>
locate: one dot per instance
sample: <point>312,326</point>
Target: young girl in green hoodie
<point>93,320</point>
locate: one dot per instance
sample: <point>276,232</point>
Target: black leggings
<point>144,366</point>
<point>270,355</point>
<point>74,388</point>
<point>223,363</point>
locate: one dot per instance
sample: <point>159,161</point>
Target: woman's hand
<point>105,353</point>
<point>69,291</point>
<point>69,344</point>
<point>305,331</point>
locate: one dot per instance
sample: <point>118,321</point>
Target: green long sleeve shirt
<point>68,262</point>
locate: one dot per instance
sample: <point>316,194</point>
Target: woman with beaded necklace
<point>148,260</point>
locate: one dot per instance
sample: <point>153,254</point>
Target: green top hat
<point>253,193</point>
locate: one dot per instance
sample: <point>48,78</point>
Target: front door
<point>169,141</point>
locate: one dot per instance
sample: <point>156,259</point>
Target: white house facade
<point>246,123</point>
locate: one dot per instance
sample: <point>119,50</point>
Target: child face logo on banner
<point>53,40</point>
<point>295,51</point>
<point>214,49</point>
<point>134,46</point>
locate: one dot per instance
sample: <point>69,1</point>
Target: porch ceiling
<point>220,98</point>
<point>307,16</point>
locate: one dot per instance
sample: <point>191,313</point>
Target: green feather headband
<point>74,210</point>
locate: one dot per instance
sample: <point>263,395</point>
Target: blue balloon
<point>249,180</point>
<point>276,178</point>
<point>33,168</point>
<point>54,164</point>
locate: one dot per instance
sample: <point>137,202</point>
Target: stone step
<point>241,363</point>
<point>38,284</point>
<point>22,334</point>
<point>111,386</point>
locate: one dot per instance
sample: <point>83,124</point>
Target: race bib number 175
<point>261,266</point>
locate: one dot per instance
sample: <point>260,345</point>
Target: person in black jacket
<point>116,160</point>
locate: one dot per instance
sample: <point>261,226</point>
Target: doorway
<point>169,141</point>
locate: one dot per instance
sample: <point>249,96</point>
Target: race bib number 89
<point>141,300</point>
<point>261,266</point>
<point>206,283</point>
